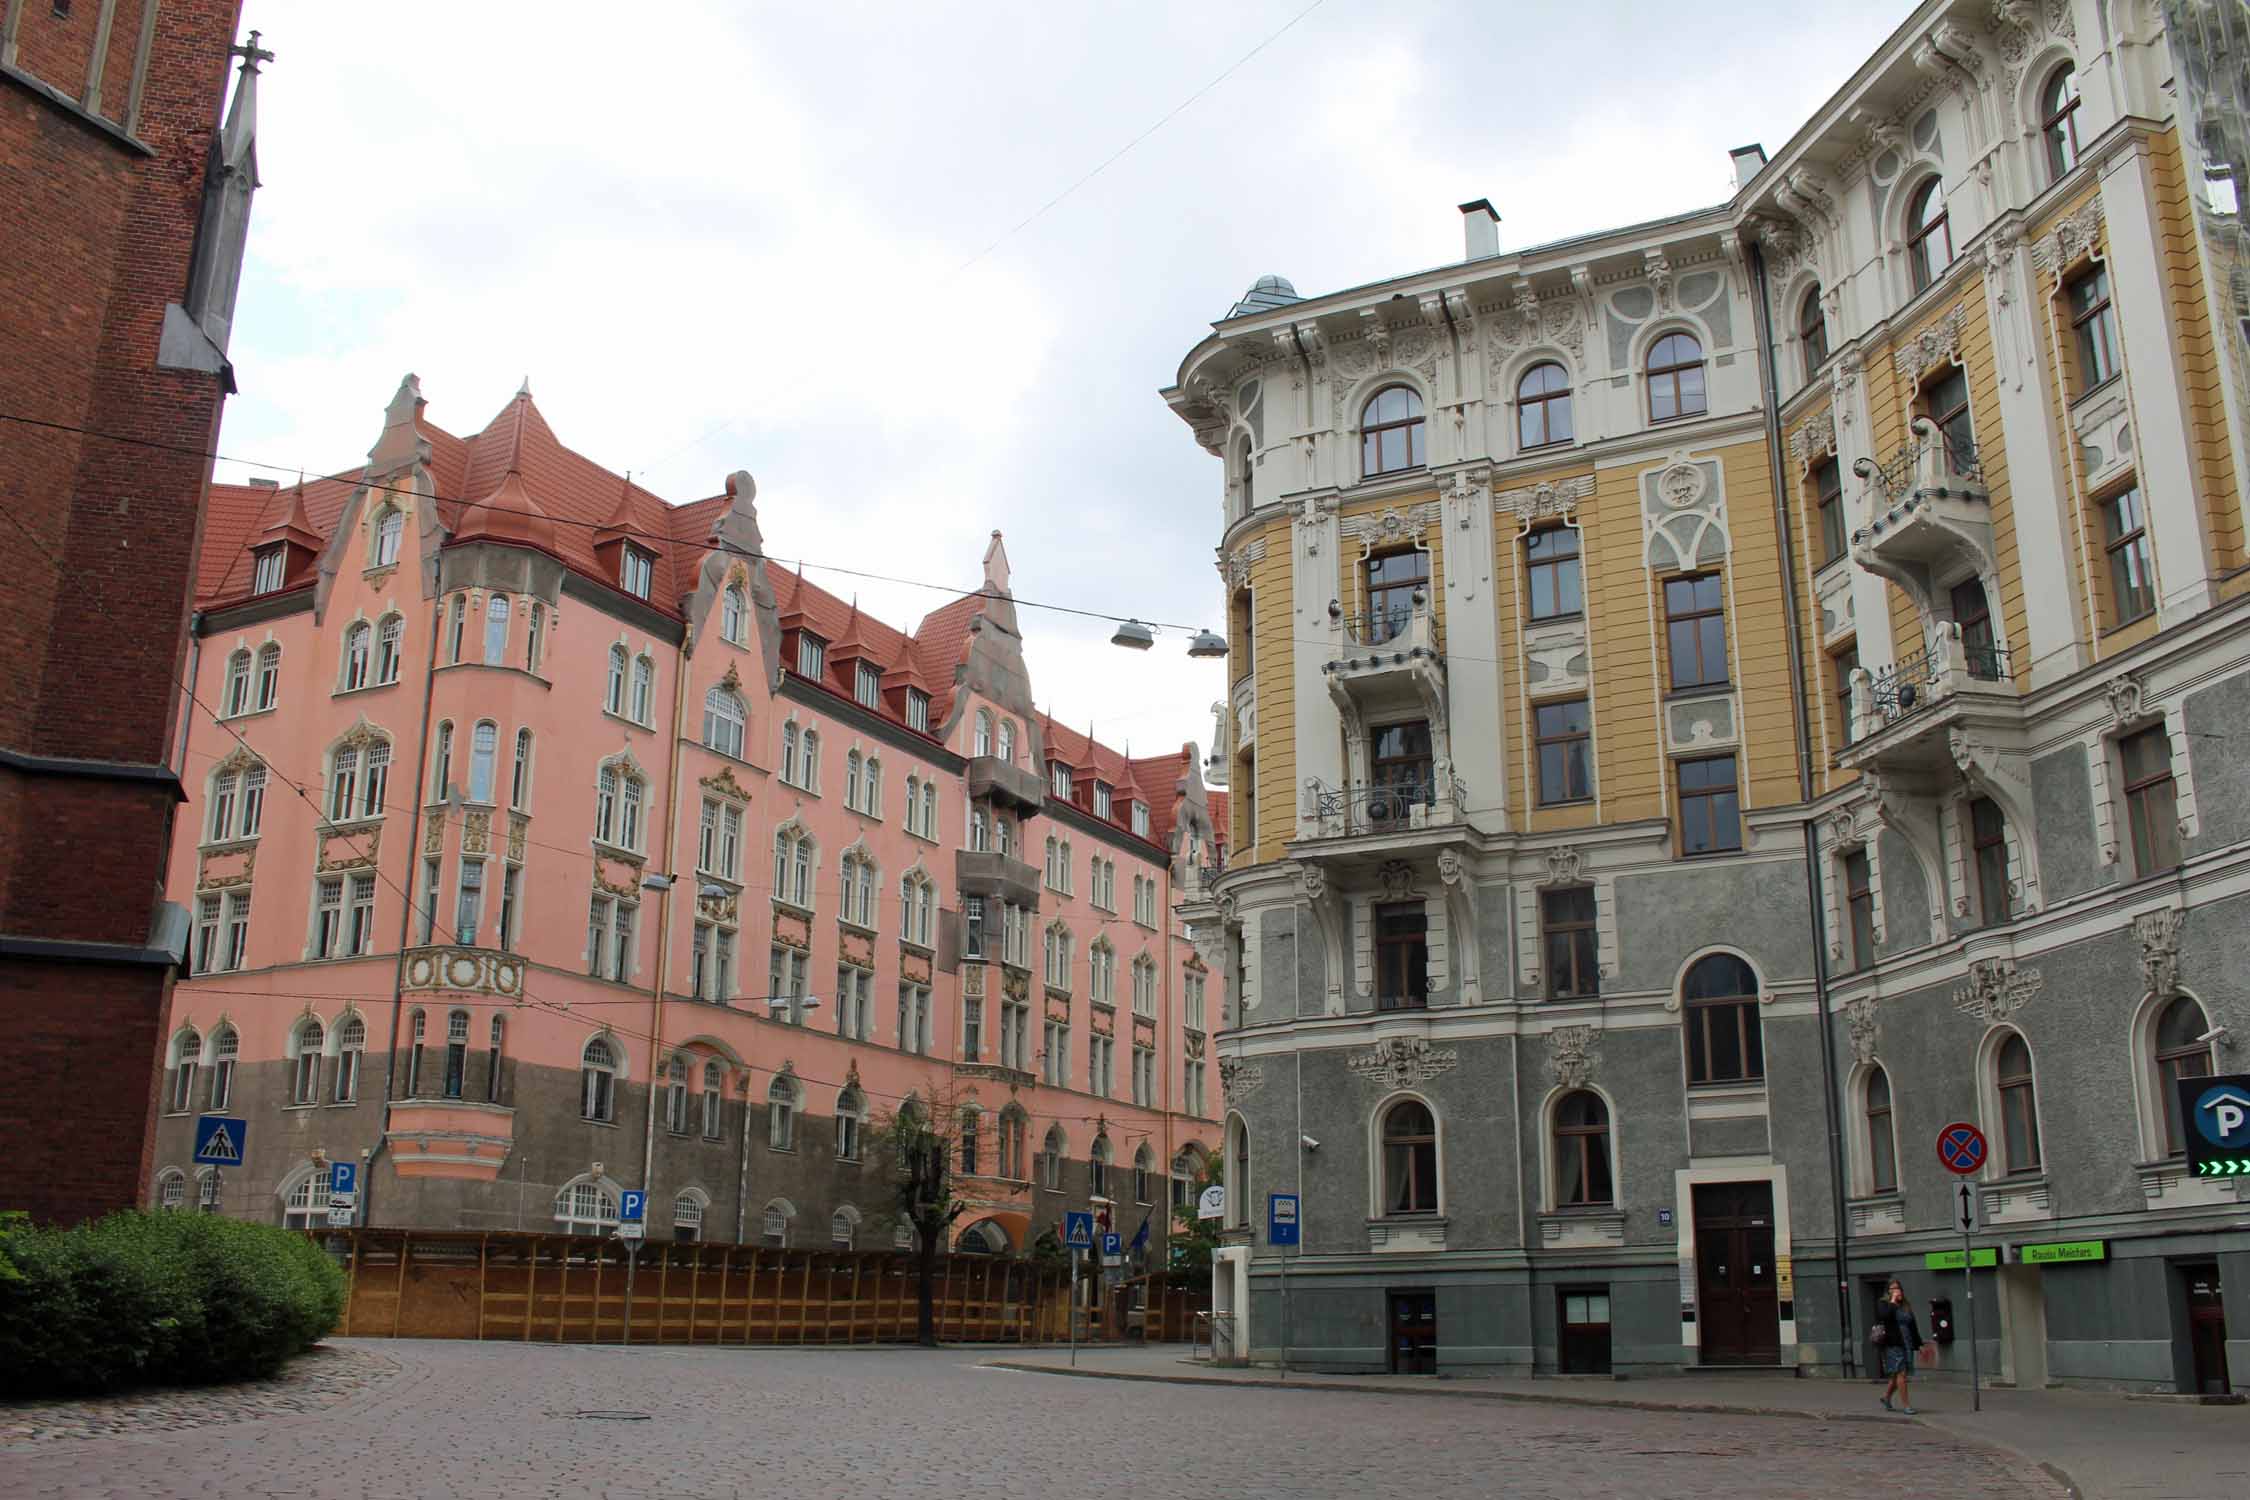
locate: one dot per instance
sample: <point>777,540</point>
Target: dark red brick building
<point>123,207</point>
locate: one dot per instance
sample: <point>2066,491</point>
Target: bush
<point>164,1298</point>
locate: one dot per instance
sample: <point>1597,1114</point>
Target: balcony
<point>1006,783</point>
<point>1357,828</point>
<point>450,1138</point>
<point>983,872</point>
<point>1904,717</point>
<point>1245,701</point>
<point>1349,812</point>
<point>1928,515</point>
<point>1386,661</point>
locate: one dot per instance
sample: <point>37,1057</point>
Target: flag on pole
<point>1140,1236</point>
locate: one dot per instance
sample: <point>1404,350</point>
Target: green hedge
<point>157,1299</point>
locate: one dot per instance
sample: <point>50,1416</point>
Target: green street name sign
<point>2068,1252</point>
<point>1951,1260</point>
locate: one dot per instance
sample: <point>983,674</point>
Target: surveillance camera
<point>1310,1143</point>
<point>2213,1034</point>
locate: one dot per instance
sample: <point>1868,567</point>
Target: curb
<point>1526,1398</point>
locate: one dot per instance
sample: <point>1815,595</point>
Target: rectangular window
<point>722,966</point>
<point>253,801</point>
<point>1400,762</point>
<point>1144,1076</point>
<point>1945,401</point>
<point>1192,1091</point>
<point>1980,646</point>
<point>1062,781</point>
<point>272,563</point>
<point>432,874</point>
<point>635,571</point>
<point>1988,839</point>
<point>1393,579</point>
<point>2093,328</point>
<point>2151,799</point>
<point>1140,819</point>
<point>1551,559</point>
<point>1101,1061</point>
<point>359,931</point>
<point>1710,806</point>
<point>1859,907</point>
<point>1103,801</point>
<point>238,928</point>
<point>1402,956</point>
<point>972,927</point>
<point>867,686</point>
<point>972,1027</point>
<point>812,654</point>
<point>206,934</point>
<point>328,917</point>
<point>1569,935</point>
<point>918,710</point>
<point>1055,1059</point>
<point>1841,667</point>
<point>469,909</point>
<point>1196,1014</point>
<point>1724,1042</point>
<point>1695,625</point>
<point>699,960</point>
<point>1828,492</point>
<point>1566,751</point>
<point>2132,575</point>
<point>1015,1020</point>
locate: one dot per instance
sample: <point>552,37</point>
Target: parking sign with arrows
<point>2215,1123</point>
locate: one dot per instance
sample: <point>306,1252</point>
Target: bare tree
<point>921,1143</point>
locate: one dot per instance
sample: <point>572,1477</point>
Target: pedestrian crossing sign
<point>219,1141</point>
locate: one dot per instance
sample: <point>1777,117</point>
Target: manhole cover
<point>611,1416</point>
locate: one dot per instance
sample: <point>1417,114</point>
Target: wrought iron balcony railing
<point>1909,686</point>
<point>1385,808</point>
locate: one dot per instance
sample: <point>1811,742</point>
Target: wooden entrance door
<point>1738,1311</point>
<point>1413,1333</point>
<point>1583,1345</point>
<point>2207,1329</point>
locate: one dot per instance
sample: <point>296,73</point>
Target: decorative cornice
<point>1538,502</point>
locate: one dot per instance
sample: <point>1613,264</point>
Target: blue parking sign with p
<point>343,1178</point>
<point>632,1204</point>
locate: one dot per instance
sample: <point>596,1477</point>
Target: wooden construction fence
<point>572,1289</point>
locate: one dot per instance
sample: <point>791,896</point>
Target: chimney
<point>1747,162</point>
<point>1480,230</point>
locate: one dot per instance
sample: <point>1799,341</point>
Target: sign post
<point>1282,1226</point>
<point>1961,1150</point>
<point>1078,1234</point>
<point>632,1214</point>
<point>343,1193</point>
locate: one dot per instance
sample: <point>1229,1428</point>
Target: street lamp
<point>1134,636</point>
<point>1207,645</point>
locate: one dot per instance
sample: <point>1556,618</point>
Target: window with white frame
<point>619,798</point>
<point>273,563</point>
<point>534,637</point>
<point>359,656</point>
<point>856,889</point>
<point>358,777</point>
<point>914,1019</point>
<point>1140,819</point>
<point>1014,1128</point>
<point>781,1113</point>
<point>187,1050</point>
<point>495,1051</point>
<point>972,927</point>
<point>808,762</point>
<point>734,615</point>
<point>484,751</point>
<point>1144,1075</point>
<point>687,1217</point>
<point>269,676</point>
<point>636,571</point>
<point>1015,1034</point>
<point>456,1080</point>
<point>1007,742</point>
<point>1104,805</point>
<point>496,612</point>
<point>871,791</point>
<point>972,1027</point>
<point>1144,986</point>
<point>305,1205</point>
<point>853,763</point>
<point>980,830</point>
<point>843,1227</point>
<point>918,710</point>
<point>171,1189</point>
<point>599,1064</point>
<point>389,656</point>
<point>351,1045</point>
<point>609,936</point>
<point>234,697</point>
<point>585,1207</point>
<point>458,626</point>
<point>1191,1092</point>
<point>519,781</point>
<point>1015,935</point>
<point>774,1224</point>
<point>1143,1172</point>
<point>785,984</point>
<point>1101,972</point>
<point>677,1118</point>
<point>725,721</point>
<point>855,1002</point>
<point>1058,954</point>
<point>1062,781</point>
<point>417,1029</point>
<point>1097,1167</point>
<point>613,694</point>
<point>851,1119</point>
<point>468,906</point>
<point>917,904</point>
<point>1193,997</point>
<point>714,1094</point>
<point>226,1049</point>
<point>794,854</point>
<point>305,1043</point>
<point>644,690</point>
<point>1052,1154</point>
<point>711,962</point>
<point>1101,1064</point>
<point>984,733</point>
<point>1144,900</point>
<point>718,849</point>
<point>222,937</point>
<point>867,686</point>
<point>390,528</point>
<point>237,801</point>
<point>1054,1061</point>
<point>812,655</point>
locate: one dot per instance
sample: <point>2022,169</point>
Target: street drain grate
<point>611,1416</point>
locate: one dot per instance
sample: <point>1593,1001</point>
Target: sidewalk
<point>2105,1447</point>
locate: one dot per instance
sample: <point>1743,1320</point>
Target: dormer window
<point>812,654</point>
<point>1102,800</point>
<point>918,710</point>
<point>636,571</point>
<point>273,563</point>
<point>1062,781</point>
<point>1140,819</point>
<point>867,686</point>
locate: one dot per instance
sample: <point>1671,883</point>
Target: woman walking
<point>1899,1338</point>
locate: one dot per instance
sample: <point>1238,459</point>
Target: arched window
<point>359,652</point>
<point>387,654</point>
<point>1882,1139</point>
<point>1008,741</point>
<point>597,1080</point>
<point>441,762</point>
<point>417,1023</point>
<point>585,1207</point>
<point>305,1204</point>
<point>269,674</point>
<point>1143,1165</point>
<point>851,1119</point>
<point>774,1223</point>
<point>459,624</point>
<point>853,761</point>
<point>1724,1042</point>
<point>534,637</point>
<point>1013,1125</point>
<point>634,793</point>
<point>605,805</point>
<point>687,1217</point>
<point>305,1046</point>
<point>187,1047</point>
<point>984,732</point>
<point>519,780</point>
<point>1409,1159</point>
<point>781,1114</point>
<point>1812,332</point>
<point>171,1189</point>
<point>929,810</point>
<point>456,1053</point>
<point>226,1047</point>
<point>1675,378</point>
<point>1582,1167</point>
<point>496,631</point>
<point>390,526</point>
<point>613,696</point>
<point>714,1094</point>
<point>724,720</point>
<point>1098,1167</point>
<point>207,1190</point>
<point>644,690</point>
<point>793,854</point>
<point>484,745</point>
<point>495,1054</point>
<point>1543,406</point>
<point>843,1227</point>
<point>237,696</point>
<point>871,790</point>
<point>676,1094</point>
<point>1237,1172</point>
<point>2019,1106</point>
<point>1929,241</point>
<point>734,614</point>
<point>351,1043</point>
<point>1391,432</point>
<point>2181,1053</point>
<point>2058,120</point>
<point>1245,475</point>
<point>1051,1155</point>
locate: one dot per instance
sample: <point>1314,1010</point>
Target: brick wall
<point>98,238</point>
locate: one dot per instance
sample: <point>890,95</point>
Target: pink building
<point>544,842</point>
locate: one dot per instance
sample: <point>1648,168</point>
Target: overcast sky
<point>721,236</point>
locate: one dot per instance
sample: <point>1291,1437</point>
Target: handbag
<point>1879,1334</point>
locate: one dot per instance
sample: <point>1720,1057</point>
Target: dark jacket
<point>1900,1329</point>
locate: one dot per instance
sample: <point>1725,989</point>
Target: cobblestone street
<point>463,1419</point>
